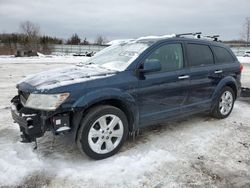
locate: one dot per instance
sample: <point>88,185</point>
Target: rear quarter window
<point>222,55</point>
<point>199,55</point>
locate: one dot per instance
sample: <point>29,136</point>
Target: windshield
<point>118,57</point>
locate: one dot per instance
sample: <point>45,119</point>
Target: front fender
<point>97,96</point>
<point>103,94</point>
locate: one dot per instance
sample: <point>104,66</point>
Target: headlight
<point>45,101</point>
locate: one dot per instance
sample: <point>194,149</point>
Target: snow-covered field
<point>244,59</point>
<point>43,59</point>
<point>198,151</point>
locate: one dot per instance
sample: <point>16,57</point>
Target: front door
<point>161,93</point>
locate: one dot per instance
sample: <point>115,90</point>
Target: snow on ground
<point>244,59</point>
<point>197,151</point>
<point>43,59</point>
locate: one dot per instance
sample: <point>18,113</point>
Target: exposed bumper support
<point>30,124</point>
<point>33,124</point>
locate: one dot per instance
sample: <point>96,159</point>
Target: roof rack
<point>199,36</point>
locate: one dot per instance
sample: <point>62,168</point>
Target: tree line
<point>31,39</point>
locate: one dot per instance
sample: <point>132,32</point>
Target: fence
<point>10,49</point>
<point>75,49</point>
<point>63,49</point>
<point>80,49</point>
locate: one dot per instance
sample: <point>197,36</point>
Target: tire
<point>224,103</point>
<point>102,132</point>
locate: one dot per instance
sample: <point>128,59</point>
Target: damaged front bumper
<point>33,123</point>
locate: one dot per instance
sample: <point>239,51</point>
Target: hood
<point>65,76</point>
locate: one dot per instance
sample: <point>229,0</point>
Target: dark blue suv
<point>127,86</point>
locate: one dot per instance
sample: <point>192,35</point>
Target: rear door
<point>161,93</point>
<point>226,64</point>
<point>200,63</point>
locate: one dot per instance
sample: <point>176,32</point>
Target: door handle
<point>183,77</point>
<point>218,71</point>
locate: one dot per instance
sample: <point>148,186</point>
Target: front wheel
<point>224,104</point>
<point>103,131</point>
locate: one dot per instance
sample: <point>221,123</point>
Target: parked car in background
<point>125,87</point>
<point>246,54</point>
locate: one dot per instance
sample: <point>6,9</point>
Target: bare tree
<point>100,40</point>
<point>31,32</point>
<point>246,30</point>
<point>30,29</point>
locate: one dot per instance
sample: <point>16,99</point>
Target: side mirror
<point>152,65</point>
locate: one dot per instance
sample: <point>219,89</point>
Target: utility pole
<point>248,30</point>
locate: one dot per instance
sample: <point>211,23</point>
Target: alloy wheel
<point>226,103</point>
<point>105,134</point>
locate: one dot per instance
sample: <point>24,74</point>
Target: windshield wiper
<point>83,63</point>
<point>89,63</point>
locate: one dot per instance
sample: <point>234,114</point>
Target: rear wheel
<point>224,104</point>
<point>103,131</point>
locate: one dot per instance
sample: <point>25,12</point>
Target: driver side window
<point>169,55</point>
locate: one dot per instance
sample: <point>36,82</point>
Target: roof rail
<point>214,37</point>
<point>197,34</point>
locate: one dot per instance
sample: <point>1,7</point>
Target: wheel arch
<point>121,100</point>
<point>234,88</point>
<point>227,81</point>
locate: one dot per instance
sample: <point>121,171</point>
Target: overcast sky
<point>126,18</point>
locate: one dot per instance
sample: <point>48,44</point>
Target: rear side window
<point>199,55</point>
<point>222,55</point>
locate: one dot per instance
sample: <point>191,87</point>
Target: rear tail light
<point>241,68</point>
